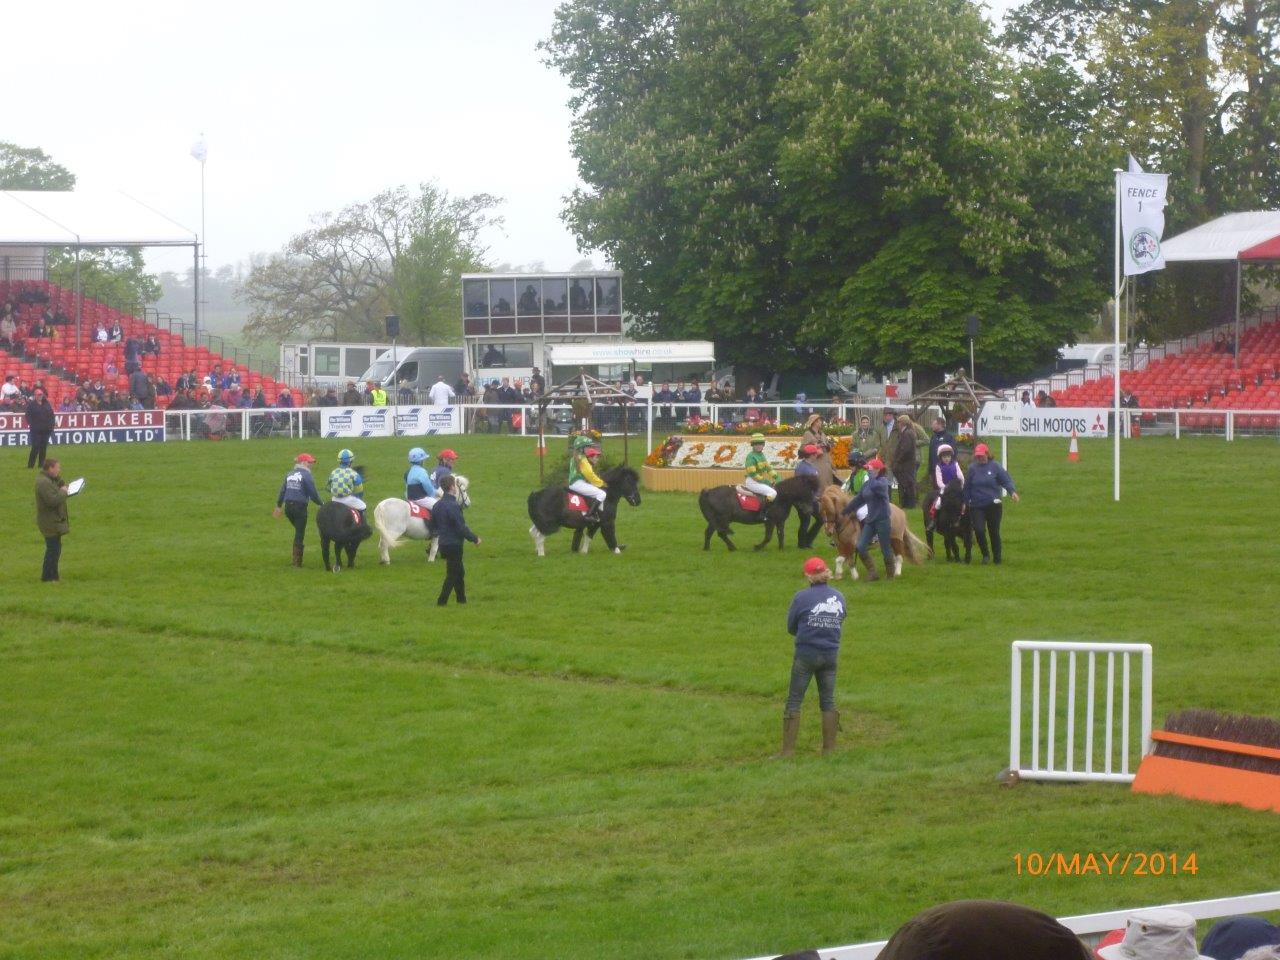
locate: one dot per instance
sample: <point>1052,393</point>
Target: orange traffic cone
<point>1073,451</point>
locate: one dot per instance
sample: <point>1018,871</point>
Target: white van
<point>416,369</point>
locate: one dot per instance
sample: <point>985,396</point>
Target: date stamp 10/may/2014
<point>1105,863</point>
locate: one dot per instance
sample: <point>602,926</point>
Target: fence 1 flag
<point>1142,199</point>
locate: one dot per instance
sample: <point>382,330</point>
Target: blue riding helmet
<point>345,456</point>
<point>418,455</point>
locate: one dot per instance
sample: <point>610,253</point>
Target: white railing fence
<point>1079,760</point>
<point>1092,927</point>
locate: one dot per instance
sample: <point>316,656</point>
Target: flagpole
<point>1116,356</point>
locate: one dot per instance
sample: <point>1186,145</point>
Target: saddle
<point>748,501</point>
<point>418,512</point>
<point>576,501</point>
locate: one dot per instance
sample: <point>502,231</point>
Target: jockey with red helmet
<point>444,468</point>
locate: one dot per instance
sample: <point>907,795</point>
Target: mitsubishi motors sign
<point>1005,418</point>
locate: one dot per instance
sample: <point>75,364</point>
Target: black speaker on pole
<point>393,326</point>
<point>971,326</point>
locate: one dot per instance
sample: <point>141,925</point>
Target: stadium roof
<point>56,218</point>
<point>1237,236</point>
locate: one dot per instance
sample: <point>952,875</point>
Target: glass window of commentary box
<point>502,298</point>
<point>529,303</point>
<point>608,296</point>
<point>581,297</point>
<point>475,298</point>
<point>328,361</point>
<point>555,297</point>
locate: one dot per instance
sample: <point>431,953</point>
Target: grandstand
<point>1198,373</point>
<point>63,365</point>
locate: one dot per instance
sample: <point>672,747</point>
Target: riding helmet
<point>345,456</point>
<point>945,448</point>
<point>582,440</point>
<point>304,458</point>
<point>757,438</point>
<point>417,455</point>
<point>447,454</point>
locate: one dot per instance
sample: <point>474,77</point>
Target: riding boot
<point>790,731</point>
<point>870,564</point>
<point>830,724</point>
<point>297,554</point>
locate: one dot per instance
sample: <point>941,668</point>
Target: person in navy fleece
<point>815,619</point>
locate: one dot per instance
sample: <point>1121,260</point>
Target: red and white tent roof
<point>1237,236</point>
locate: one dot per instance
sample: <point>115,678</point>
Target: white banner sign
<point>377,421</point>
<point>1142,198</point>
<point>1008,419</point>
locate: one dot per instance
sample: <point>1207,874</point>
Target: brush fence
<point>1064,739</point>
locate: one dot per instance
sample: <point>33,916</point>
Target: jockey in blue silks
<point>418,485</point>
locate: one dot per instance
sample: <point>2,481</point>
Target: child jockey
<point>583,478</point>
<point>760,473</point>
<point>419,487</point>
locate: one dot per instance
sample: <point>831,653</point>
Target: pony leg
<point>384,551</point>
<point>839,574</point>
<point>706,537</point>
<point>539,541</point>
<point>897,558</point>
<point>586,545</point>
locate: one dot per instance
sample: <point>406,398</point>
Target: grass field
<point>206,753</point>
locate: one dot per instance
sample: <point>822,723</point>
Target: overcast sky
<point>305,106</point>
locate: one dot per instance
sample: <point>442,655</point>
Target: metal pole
<point>79,300</point>
<point>626,448</point>
<point>542,442</point>
<point>195,294</point>
<point>649,412</point>
<point>972,374</point>
<point>1116,360</point>
<point>201,247</point>
<point>1239,270</point>
<point>395,389</point>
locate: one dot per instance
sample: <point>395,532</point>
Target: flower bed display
<point>684,462</point>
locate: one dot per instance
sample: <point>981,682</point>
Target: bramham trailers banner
<point>376,421</point>
<point>103,426</point>
<point>1005,418</point>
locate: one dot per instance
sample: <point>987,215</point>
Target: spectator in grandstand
<point>377,396</point>
<point>8,330</point>
<point>116,332</point>
<point>40,423</point>
<point>939,437</point>
<point>536,379</point>
<point>100,334</point>
<point>132,355</point>
<point>68,404</point>
<point>38,330</point>
<point>330,398</point>
<point>662,398</point>
<point>1045,400</point>
<point>441,393</point>
<point>464,389</point>
<point>1025,399</point>
<point>713,393</point>
<point>9,392</point>
<point>448,524</point>
<point>815,618</point>
<point>1129,399</point>
<point>60,317</point>
<point>1236,937</point>
<point>983,488</point>
<point>109,369</point>
<point>989,930</point>
<point>182,401</point>
<point>142,389</point>
<point>285,399</point>
<point>152,346</point>
<point>1156,934</point>
<point>352,397</point>
<point>161,386</point>
<point>51,516</point>
<point>297,491</point>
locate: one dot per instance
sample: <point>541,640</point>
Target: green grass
<point>206,753</point>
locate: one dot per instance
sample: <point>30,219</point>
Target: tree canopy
<point>400,252</point>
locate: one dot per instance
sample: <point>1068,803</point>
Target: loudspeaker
<point>393,326</point>
<point>971,326</point>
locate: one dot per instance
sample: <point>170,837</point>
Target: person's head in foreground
<point>983,930</point>
<point>1236,937</point>
<point>1155,935</point>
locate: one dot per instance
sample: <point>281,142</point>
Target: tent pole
<point>1239,270</point>
<point>79,300</point>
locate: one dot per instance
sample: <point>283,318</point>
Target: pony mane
<point>620,471</point>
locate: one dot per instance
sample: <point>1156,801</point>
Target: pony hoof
<point>384,563</point>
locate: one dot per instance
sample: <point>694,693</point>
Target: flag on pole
<point>200,150</point>
<point>1142,199</point>
<point>1134,165</point>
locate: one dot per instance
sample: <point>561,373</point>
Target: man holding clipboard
<point>51,514</point>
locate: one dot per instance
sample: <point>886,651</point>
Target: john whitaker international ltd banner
<point>122,426</point>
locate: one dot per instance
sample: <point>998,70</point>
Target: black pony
<point>344,527</point>
<point>549,512</point>
<point>720,507</point>
<point>952,521</point>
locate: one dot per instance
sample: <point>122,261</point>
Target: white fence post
<point>1051,769</point>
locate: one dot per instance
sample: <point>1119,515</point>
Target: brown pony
<point>843,532</point>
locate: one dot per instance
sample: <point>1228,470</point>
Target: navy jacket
<point>298,487</point>
<point>982,485</point>
<point>40,418</point>
<point>447,523</point>
<point>815,617</point>
<point>875,494</point>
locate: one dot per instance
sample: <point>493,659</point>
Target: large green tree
<point>401,252</point>
<point>30,168</point>
<point>1190,87</point>
<point>826,180</point>
<point>676,135</point>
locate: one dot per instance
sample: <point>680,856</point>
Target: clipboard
<point>75,486</point>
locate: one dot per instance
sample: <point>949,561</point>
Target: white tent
<point>1237,236</point>
<point>52,218</point>
<point>84,218</point>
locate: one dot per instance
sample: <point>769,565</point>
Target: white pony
<point>394,524</point>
